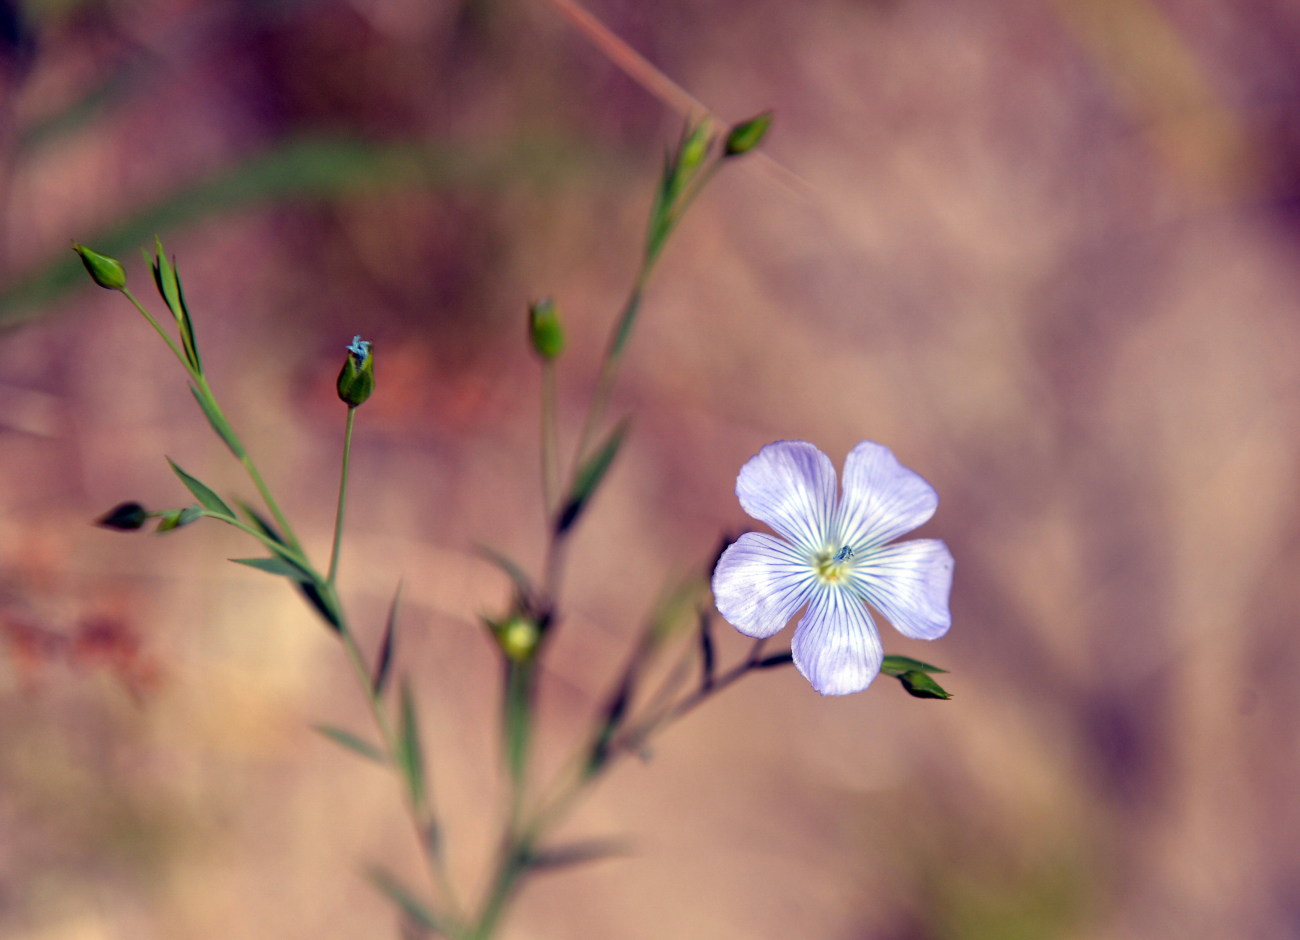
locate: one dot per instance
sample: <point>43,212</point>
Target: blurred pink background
<point>1046,252</point>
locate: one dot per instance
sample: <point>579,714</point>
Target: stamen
<point>843,554</point>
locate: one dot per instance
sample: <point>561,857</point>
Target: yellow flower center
<point>832,565</point>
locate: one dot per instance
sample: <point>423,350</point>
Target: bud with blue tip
<point>357,379</point>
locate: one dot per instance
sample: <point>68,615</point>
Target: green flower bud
<point>357,379</point>
<point>747,135</point>
<point>545,330</point>
<point>517,638</point>
<point>107,272</point>
<point>920,685</point>
<point>125,517</point>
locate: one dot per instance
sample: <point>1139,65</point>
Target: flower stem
<point>171,344</point>
<point>550,440</point>
<point>343,495</point>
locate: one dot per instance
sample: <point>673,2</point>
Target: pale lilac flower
<point>832,558</point>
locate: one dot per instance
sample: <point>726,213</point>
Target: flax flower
<point>831,557</point>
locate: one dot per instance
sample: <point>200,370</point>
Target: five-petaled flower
<point>833,558</point>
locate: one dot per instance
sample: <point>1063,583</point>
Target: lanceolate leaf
<point>405,899</point>
<point>352,742</point>
<point>384,662</point>
<point>410,756</point>
<point>186,325</point>
<point>589,478</point>
<point>897,665</point>
<point>274,566</point>
<point>576,853</point>
<point>164,275</point>
<point>517,575</point>
<point>219,423</point>
<point>202,492</point>
<point>262,524</point>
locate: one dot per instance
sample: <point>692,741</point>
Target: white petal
<point>759,583</point>
<point>882,498</point>
<point>790,485</point>
<point>910,583</point>
<point>836,645</point>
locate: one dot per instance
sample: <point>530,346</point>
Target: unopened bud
<point>107,272</point>
<point>747,135</point>
<point>545,330</point>
<point>518,638</point>
<point>920,685</point>
<point>357,378</point>
<point>126,517</point>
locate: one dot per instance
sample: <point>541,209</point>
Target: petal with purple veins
<point>759,583</point>
<point>790,485</point>
<point>836,645</point>
<point>909,583</point>
<point>882,499</point>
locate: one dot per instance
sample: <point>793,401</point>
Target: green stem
<point>609,369</point>
<point>550,440</point>
<point>171,344</point>
<point>343,495</point>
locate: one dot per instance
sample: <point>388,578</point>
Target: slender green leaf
<point>410,756</point>
<point>415,909</point>
<point>164,276</point>
<point>202,492</point>
<point>188,340</point>
<point>589,478</point>
<point>219,423</point>
<point>277,566</point>
<point>352,742</point>
<point>321,604</point>
<point>384,662</point>
<point>576,853</point>
<point>897,665</point>
<point>523,584</point>
<point>262,524</point>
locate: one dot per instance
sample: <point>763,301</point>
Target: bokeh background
<point>1047,252</point>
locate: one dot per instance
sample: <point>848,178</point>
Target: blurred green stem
<point>550,440</point>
